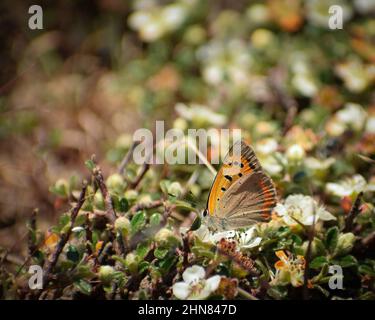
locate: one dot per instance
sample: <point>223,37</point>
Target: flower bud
<point>122,225</point>
<point>345,243</point>
<point>131,262</point>
<point>115,182</point>
<point>295,153</point>
<point>175,189</point>
<point>106,274</point>
<point>99,200</point>
<point>166,237</point>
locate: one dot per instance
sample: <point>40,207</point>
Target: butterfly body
<point>241,194</point>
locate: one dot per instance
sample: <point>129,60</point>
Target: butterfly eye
<point>205,213</point>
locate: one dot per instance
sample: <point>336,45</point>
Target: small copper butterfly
<point>242,194</point>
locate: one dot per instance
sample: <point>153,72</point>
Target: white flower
<point>301,208</point>
<point>305,84</point>
<point>200,114</point>
<point>352,115</point>
<point>349,186</point>
<point>266,146</point>
<point>244,239</point>
<point>195,286</point>
<point>317,164</point>
<point>247,239</point>
<point>356,75</point>
<point>206,235</point>
<point>295,153</point>
<point>370,125</point>
<point>173,16</point>
<point>272,164</point>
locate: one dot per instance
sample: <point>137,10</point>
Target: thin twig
<point>97,173</point>
<point>64,237</point>
<point>127,158</point>
<point>354,211</point>
<point>32,247</point>
<point>149,205</point>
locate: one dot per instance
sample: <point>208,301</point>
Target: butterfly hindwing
<point>251,198</point>
<point>239,161</point>
<point>242,194</point>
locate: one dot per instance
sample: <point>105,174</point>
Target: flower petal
<point>193,274</point>
<point>181,290</point>
<point>213,282</point>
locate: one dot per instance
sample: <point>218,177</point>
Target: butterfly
<point>242,194</point>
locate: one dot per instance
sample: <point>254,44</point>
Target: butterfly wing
<point>239,162</point>
<point>250,200</point>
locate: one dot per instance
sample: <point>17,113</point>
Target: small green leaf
<point>72,254</point>
<point>332,238</point>
<point>348,261</point>
<point>160,253</point>
<point>143,266</point>
<point>367,270</point>
<point>196,224</point>
<point>138,221</point>
<point>83,286</point>
<point>142,250</point>
<point>155,219</point>
<point>90,164</point>
<point>318,262</point>
<point>123,205</point>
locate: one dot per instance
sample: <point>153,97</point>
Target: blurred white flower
<point>295,153</point>
<point>303,79</point>
<point>352,116</point>
<point>370,125</point>
<point>195,286</point>
<point>199,113</point>
<point>349,186</point>
<point>174,15</point>
<point>355,75</point>
<point>153,22</point>
<point>266,146</point>
<point>301,208</point>
<point>305,84</point>
<point>272,165</point>
<point>226,61</point>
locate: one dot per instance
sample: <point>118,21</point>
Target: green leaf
<point>142,250</point>
<point>90,164</point>
<point>366,270</point>
<point>72,254</point>
<point>160,253</point>
<point>138,221</point>
<point>318,262</point>
<point>196,224</point>
<point>123,205</point>
<point>155,219</point>
<point>167,263</point>
<point>143,266</point>
<point>83,286</point>
<point>348,261</point>
<point>332,238</point>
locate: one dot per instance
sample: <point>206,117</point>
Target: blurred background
<point>100,69</point>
